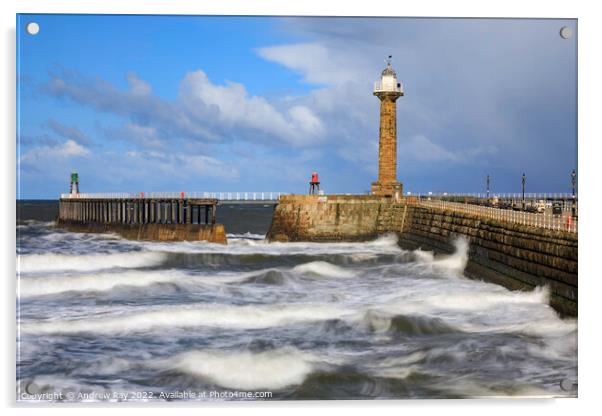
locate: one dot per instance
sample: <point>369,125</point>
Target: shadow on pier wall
<point>213,233</point>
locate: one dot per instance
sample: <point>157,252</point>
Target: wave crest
<point>244,370</point>
<point>323,268</point>
<point>32,263</point>
<point>216,316</point>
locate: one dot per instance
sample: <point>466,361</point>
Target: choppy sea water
<point>103,318</point>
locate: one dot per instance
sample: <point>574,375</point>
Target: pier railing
<point>221,196</point>
<point>563,221</point>
<point>530,196</point>
<point>123,208</point>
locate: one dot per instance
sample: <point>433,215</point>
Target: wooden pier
<point>138,210</point>
<point>142,218</point>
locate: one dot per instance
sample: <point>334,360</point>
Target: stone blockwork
<point>326,218</point>
<point>387,184</point>
<point>215,233</point>
<point>515,256</point>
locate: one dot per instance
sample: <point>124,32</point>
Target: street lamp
<point>488,180</point>
<point>524,180</point>
<point>574,182</point>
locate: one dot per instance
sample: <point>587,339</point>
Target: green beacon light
<point>74,186</point>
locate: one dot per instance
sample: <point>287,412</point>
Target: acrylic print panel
<point>268,208</point>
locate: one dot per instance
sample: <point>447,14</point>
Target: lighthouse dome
<point>388,81</point>
<point>389,71</point>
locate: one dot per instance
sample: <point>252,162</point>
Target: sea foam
<point>244,370</point>
<point>220,316</point>
<point>323,268</point>
<point>99,282</point>
<point>31,263</point>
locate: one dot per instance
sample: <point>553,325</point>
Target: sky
<point>255,104</point>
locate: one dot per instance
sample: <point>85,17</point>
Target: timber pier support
<point>143,218</point>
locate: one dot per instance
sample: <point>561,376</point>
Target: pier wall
<point>515,256</point>
<point>326,218</point>
<point>214,233</point>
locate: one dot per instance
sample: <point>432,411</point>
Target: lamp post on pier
<point>574,183</point>
<point>524,180</point>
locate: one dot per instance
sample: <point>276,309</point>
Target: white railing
<point>378,87</point>
<point>543,220</point>
<point>222,196</point>
<point>510,195</point>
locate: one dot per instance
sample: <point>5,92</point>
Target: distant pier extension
<point>142,218</point>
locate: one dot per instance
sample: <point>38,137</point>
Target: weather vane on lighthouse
<point>388,89</point>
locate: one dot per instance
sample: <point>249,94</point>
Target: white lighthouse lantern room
<point>388,81</point>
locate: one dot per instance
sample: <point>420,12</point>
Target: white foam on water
<point>479,307</point>
<point>206,315</point>
<point>242,246</point>
<point>483,299</point>
<point>29,263</point>
<point>244,370</point>
<point>397,367</point>
<point>37,223</point>
<point>465,386</point>
<point>99,282</point>
<point>452,265</point>
<point>423,256</point>
<point>457,261</point>
<point>359,257</point>
<point>247,235</point>
<point>323,268</point>
<point>385,240</point>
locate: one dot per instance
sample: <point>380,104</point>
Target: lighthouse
<point>388,89</point>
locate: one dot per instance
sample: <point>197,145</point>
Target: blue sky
<point>186,103</point>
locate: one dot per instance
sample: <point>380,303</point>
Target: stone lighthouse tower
<point>388,90</point>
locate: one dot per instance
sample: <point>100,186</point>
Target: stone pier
<point>519,257</point>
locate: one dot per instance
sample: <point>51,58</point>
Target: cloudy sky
<point>165,103</point>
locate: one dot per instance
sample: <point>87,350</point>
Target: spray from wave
<point>452,265</point>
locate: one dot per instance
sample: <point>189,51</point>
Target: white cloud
<point>145,136</point>
<point>303,116</point>
<point>179,165</point>
<point>468,94</point>
<point>203,111</point>
<point>138,86</point>
<point>317,62</point>
<point>67,132</point>
<point>61,151</point>
<point>233,106</point>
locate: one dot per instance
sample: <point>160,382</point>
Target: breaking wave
<point>306,320</point>
<point>28,263</point>
<point>406,324</point>
<point>245,370</point>
<point>323,268</point>
<point>34,286</point>
<point>451,265</point>
<point>219,316</point>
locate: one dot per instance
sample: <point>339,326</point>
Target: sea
<point>101,318</point>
